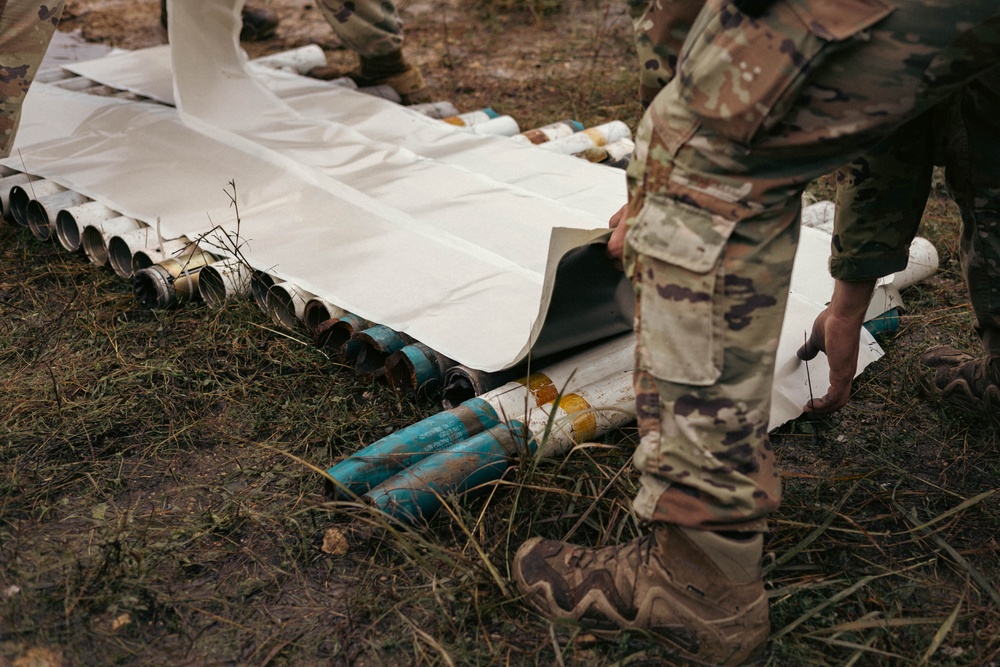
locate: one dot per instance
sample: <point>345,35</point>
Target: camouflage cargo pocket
<point>740,75</point>
<point>680,278</point>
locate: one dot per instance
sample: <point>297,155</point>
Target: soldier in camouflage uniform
<point>25,31</point>
<point>373,30</point>
<point>768,96</point>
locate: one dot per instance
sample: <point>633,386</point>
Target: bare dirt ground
<point>160,491</point>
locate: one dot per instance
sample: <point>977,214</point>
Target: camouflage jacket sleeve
<point>660,28</point>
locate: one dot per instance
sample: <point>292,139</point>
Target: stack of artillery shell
<point>559,406</point>
<point>7,185</point>
<point>319,310</point>
<point>20,194</point>
<point>41,213</point>
<point>286,304</point>
<point>592,137</point>
<point>416,369</point>
<point>409,473</point>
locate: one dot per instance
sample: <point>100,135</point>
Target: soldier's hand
<point>837,332</point>
<point>616,244</point>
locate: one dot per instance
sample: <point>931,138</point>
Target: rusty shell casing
<point>171,282</point>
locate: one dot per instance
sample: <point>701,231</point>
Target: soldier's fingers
<point>617,218</point>
<point>809,349</point>
<point>616,244</point>
<point>817,339</point>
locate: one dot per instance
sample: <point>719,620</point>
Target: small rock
<point>335,542</point>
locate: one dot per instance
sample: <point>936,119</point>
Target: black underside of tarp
<point>591,300</point>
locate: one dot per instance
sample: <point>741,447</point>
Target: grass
<point>160,501</point>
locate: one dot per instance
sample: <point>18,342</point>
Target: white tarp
<point>455,258</point>
<point>449,236</point>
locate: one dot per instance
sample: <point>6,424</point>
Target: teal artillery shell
<point>417,492</point>
<point>382,459</point>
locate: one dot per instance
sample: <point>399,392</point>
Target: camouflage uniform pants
<point>25,31</point>
<point>760,106</point>
<point>881,197</point>
<point>368,27</point>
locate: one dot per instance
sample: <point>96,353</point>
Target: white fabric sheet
<point>454,258</point>
<point>458,297</point>
<point>405,220</point>
<point>595,189</point>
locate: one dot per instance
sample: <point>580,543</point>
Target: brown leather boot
<point>697,592</point>
<point>970,383</point>
<point>389,70</point>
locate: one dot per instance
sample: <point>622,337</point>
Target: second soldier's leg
<point>370,28</point>
<point>972,381</point>
<point>373,30</point>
